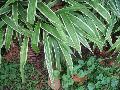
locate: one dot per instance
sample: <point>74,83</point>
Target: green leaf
<point>78,22</point>
<point>15,12</point>
<point>23,16</point>
<point>1,44</point>
<point>89,37</point>
<point>4,10</point>
<point>31,11</point>
<point>15,16</point>
<point>22,13</point>
<point>109,29</point>
<point>35,38</point>
<point>116,45</point>
<point>48,57</point>
<point>118,57</point>
<point>51,30</point>
<point>84,42</point>
<point>57,53</point>
<point>9,2</point>
<point>23,57</point>
<point>2,23</point>
<point>91,86</point>
<point>8,37</point>
<point>52,17</point>
<point>93,27</point>
<point>1,38</point>
<point>114,82</point>
<point>101,10</point>
<point>15,27</point>
<point>56,74</point>
<point>82,8</point>
<point>114,7</point>
<point>46,11</point>
<point>68,58</point>
<point>71,32</point>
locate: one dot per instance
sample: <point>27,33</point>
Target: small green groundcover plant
<point>99,76</point>
<point>10,77</point>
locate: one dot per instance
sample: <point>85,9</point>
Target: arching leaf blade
<point>23,57</point>
<point>31,11</point>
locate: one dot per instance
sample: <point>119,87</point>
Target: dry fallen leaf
<point>78,79</point>
<point>56,85</point>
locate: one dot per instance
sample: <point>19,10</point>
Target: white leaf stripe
<point>35,37</point>
<point>15,12</point>
<point>1,44</point>
<point>84,10</point>
<point>46,11</point>
<point>1,38</point>
<point>2,23</point>
<point>8,37</point>
<point>71,32</point>
<point>31,11</point>
<point>57,54</point>
<point>47,51</point>
<point>4,10</point>
<point>67,58</point>
<point>52,30</point>
<point>52,17</point>
<point>13,25</point>
<point>81,24</point>
<point>23,57</point>
<point>101,10</point>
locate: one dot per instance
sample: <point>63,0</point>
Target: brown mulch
<point>36,59</point>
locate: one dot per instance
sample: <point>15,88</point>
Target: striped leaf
<point>23,57</point>
<point>118,57</point>
<point>90,31</point>
<point>22,13</point>
<point>1,23</point>
<point>1,38</point>
<point>8,37</point>
<point>23,16</point>
<point>57,53</point>
<point>9,2</point>
<point>52,17</point>
<point>97,6</point>
<point>15,16</point>
<point>15,12</point>
<point>1,44</point>
<point>71,32</point>
<point>31,11</point>
<point>4,10</point>
<point>116,45</point>
<point>101,10</point>
<point>114,7</point>
<point>46,11</point>
<point>87,12</point>
<point>109,30</point>
<point>51,30</point>
<point>48,57</point>
<point>35,38</point>
<point>84,42</point>
<point>89,37</point>
<point>82,24</point>
<point>68,58</point>
<point>93,27</point>
<point>12,24</point>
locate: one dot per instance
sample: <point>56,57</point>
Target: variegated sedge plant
<point>77,23</point>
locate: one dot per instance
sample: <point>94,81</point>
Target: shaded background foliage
<point>62,28</point>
